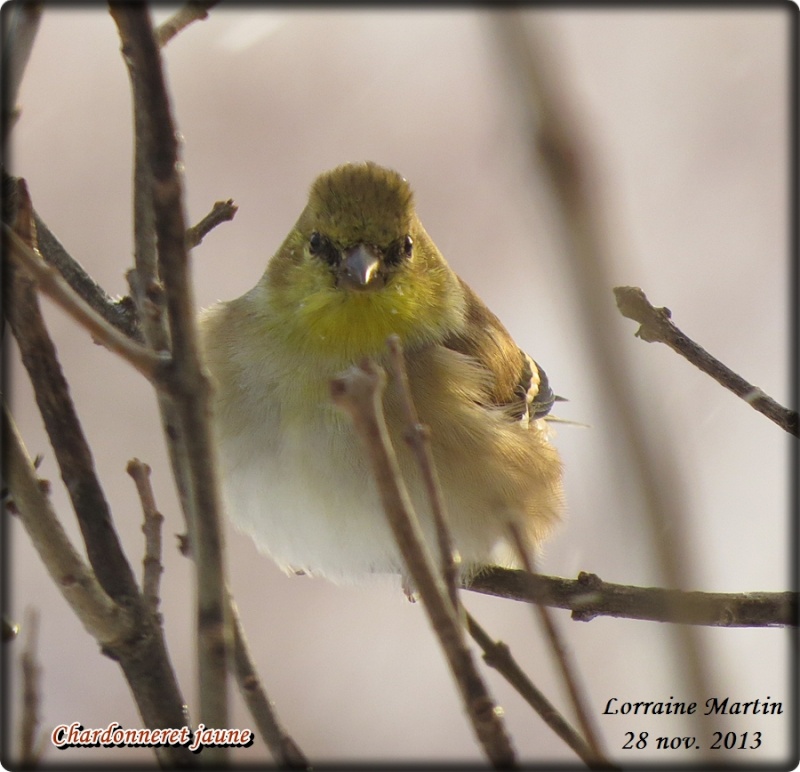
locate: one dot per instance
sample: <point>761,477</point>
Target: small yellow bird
<point>357,267</point>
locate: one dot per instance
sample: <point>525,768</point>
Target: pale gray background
<point>689,111</point>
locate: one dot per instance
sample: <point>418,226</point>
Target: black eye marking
<point>315,243</point>
<point>400,250</point>
<point>321,247</point>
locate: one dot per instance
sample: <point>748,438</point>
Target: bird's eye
<point>321,247</point>
<point>400,250</point>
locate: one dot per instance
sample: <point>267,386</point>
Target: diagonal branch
<point>142,656</point>
<point>359,393</point>
<point>418,437</point>
<point>566,663</point>
<point>285,751</point>
<point>194,10</point>
<point>53,284</point>
<point>657,326</point>
<point>107,622</point>
<point>118,313</point>
<point>497,655</point>
<point>63,426</point>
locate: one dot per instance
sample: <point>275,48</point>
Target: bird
<point>356,268</point>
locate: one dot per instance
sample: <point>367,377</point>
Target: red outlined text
<point>75,735</point>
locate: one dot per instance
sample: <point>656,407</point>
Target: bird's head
<point>359,225</point>
<point>358,262</point>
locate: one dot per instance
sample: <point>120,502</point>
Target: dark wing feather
<point>518,385</point>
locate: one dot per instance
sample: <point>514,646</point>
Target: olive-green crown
<point>362,202</point>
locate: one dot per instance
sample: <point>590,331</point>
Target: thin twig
<point>153,521</point>
<point>30,746</point>
<point>496,654</point>
<point>119,313</point>
<point>566,664</point>
<point>657,326</point>
<point>187,382</point>
<point>589,597</point>
<point>285,751</point>
<point>53,284</point>
<point>191,12</point>
<point>73,454</point>
<point>418,437</point>
<point>22,235</point>
<point>359,393</point>
<point>222,211</point>
<point>100,615</point>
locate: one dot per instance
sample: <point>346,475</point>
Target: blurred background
<point>688,112</point>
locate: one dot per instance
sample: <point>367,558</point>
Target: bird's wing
<point>517,384</point>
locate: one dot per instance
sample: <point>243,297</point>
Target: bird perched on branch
<point>357,267</point>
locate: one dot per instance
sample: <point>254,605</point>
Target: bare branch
<point>657,326</point>
<point>569,670</point>
<point>418,437</point>
<point>186,383</point>
<point>142,656</point>
<point>62,423</point>
<point>285,752</point>
<point>222,211</point>
<point>147,290</point>
<point>132,637</point>
<point>100,615</point>
<point>359,393</point>
<point>119,313</point>
<point>191,12</point>
<point>53,284</point>
<point>589,597</point>
<point>153,520</point>
<point>496,654</point>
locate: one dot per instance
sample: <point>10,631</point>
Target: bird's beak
<point>359,269</point>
